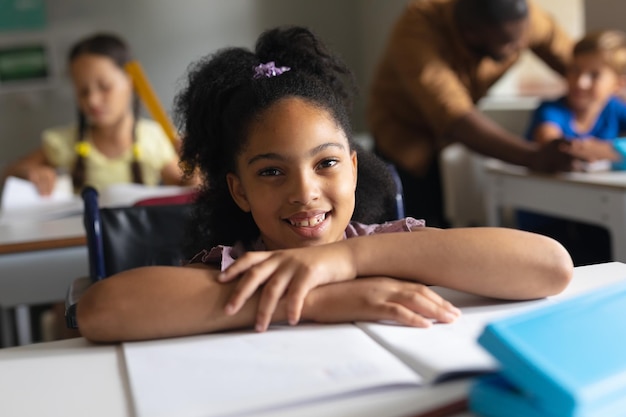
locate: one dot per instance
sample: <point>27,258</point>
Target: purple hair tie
<point>268,70</point>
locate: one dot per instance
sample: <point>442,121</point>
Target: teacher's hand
<point>554,156</point>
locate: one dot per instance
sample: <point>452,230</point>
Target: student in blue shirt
<point>591,115</point>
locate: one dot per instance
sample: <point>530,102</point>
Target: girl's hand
<point>44,178</point>
<point>291,273</point>
<point>376,299</point>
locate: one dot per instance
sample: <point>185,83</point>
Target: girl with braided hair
<point>269,130</point>
<point>111,143</point>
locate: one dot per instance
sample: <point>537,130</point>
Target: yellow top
<point>153,147</point>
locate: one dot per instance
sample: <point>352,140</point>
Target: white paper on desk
<point>243,372</point>
<point>22,203</point>
<point>118,195</point>
<point>19,193</point>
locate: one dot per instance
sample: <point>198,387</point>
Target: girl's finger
<point>250,281</point>
<point>296,294</point>
<point>439,300</point>
<point>402,315</point>
<point>242,265</point>
<point>271,294</point>
<point>430,305</point>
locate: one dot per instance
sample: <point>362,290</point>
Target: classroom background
<point>166,36</point>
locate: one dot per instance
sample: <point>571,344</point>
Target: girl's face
<point>103,90</point>
<point>591,82</point>
<point>296,175</point>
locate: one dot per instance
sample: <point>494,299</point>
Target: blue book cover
<point>569,358</point>
<point>494,396</point>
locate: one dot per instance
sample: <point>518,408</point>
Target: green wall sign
<point>22,15</point>
<point>25,63</point>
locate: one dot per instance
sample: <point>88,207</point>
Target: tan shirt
<point>156,152</point>
<point>428,78</point>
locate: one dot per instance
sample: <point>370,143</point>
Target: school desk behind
<point>38,261</point>
<point>592,197</point>
<point>43,249</point>
<point>76,378</point>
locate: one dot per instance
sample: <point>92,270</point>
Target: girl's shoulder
<point>148,129</point>
<point>58,144</point>
<point>66,133</point>
<point>406,224</point>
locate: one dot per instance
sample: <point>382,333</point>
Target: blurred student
<point>110,143</point>
<point>441,59</point>
<point>590,115</point>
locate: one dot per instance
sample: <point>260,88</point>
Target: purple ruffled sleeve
<point>355,229</point>
<point>219,256</point>
<point>223,256</point>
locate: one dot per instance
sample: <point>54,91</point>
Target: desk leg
<point>613,217</point>
<point>22,325</point>
<point>492,201</point>
<point>6,327</point>
<point>618,241</point>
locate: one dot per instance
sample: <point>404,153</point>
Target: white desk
<point>75,378</point>
<point>38,261</point>
<point>595,197</point>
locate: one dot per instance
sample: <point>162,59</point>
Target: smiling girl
<point>270,131</point>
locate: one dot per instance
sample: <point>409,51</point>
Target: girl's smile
<point>309,225</point>
<point>296,176</point>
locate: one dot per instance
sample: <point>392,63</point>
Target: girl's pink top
<point>226,255</point>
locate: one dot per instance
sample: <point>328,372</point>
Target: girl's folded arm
<point>158,302</point>
<point>494,262</point>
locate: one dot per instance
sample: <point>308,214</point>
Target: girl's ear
<point>237,192</point>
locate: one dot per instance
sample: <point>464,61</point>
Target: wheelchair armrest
<point>75,291</point>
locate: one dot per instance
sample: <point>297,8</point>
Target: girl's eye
<point>105,87</point>
<point>328,163</point>
<point>269,172</point>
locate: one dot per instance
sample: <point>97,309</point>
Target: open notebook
<point>246,373</point>
<point>242,372</point>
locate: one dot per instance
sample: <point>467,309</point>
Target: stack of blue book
<point>567,359</point>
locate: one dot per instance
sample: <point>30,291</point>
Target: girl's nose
<point>303,189</point>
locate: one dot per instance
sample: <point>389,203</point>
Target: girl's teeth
<point>313,221</point>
